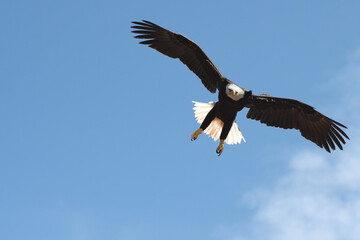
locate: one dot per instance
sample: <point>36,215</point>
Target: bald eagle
<point>217,119</point>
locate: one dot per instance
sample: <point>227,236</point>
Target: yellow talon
<point>220,148</point>
<point>195,135</point>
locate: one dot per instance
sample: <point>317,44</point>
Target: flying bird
<point>217,119</point>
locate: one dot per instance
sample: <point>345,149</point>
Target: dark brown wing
<point>289,113</point>
<point>177,46</point>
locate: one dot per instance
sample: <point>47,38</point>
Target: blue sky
<point>95,128</point>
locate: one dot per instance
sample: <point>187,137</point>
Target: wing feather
<point>292,114</point>
<point>177,46</point>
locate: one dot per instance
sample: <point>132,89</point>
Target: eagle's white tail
<point>215,127</point>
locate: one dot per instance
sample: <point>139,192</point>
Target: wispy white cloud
<point>319,197</point>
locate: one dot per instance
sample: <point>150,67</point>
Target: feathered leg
<point>208,119</point>
<point>224,132</point>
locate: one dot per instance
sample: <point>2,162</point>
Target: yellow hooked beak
<point>233,93</point>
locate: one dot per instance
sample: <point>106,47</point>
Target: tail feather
<point>214,129</point>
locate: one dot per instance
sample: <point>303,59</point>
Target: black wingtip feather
<point>150,23</point>
<point>335,140</point>
<point>338,135</point>
<point>144,36</point>
<point>140,23</point>
<point>341,131</point>
<point>145,24</point>
<point>147,42</point>
<point>140,32</point>
<point>326,146</point>
<point>337,123</point>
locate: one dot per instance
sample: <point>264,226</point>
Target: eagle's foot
<point>220,148</point>
<point>195,135</point>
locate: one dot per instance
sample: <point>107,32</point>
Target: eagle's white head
<point>234,92</point>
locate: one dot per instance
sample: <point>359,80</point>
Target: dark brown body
<point>225,109</point>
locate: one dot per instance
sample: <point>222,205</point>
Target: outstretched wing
<point>289,113</point>
<point>177,46</point>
